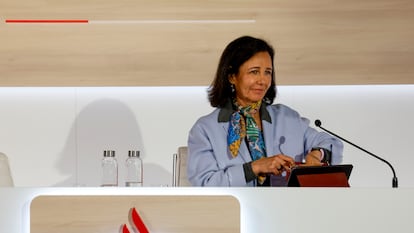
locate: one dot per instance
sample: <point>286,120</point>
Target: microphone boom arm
<point>394,180</point>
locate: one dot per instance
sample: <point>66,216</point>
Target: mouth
<point>259,90</point>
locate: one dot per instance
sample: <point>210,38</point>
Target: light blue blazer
<point>210,162</point>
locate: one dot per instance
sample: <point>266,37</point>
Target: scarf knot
<point>243,125</point>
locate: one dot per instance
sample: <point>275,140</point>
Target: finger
<point>288,159</point>
<point>287,166</point>
<point>287,162</point>
<point>278,171</point>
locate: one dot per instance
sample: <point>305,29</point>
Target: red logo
<point>137,222</point>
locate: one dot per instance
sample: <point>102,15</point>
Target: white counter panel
<point>261,209</point>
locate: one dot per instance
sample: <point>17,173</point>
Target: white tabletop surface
<point>262,209</point>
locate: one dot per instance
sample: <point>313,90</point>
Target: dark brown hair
<point>234,55</point>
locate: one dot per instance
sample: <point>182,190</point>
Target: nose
<point>262,78</point>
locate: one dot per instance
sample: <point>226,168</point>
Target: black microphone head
<point>282,140</point>
<point>318,122</point>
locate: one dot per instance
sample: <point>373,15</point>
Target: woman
<point>247,141</point>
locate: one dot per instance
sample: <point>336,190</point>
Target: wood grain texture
<point>317,42</point>
<point>180,214</point>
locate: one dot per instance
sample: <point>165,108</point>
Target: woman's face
<point>253,80</point>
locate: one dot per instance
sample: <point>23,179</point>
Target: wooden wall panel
<point>101,214</point>
<point>317,42</point>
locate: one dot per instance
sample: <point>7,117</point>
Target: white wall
<point>55,136</point>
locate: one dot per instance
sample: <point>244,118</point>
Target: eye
<point>254,71</point>
<point>268,72</point>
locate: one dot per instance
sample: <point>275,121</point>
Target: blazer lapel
<point>268,138</point>
<point>244,152</point>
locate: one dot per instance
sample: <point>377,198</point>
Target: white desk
<point>261,209</point>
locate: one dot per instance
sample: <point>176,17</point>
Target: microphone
<point>318,123</point>
<point>282,140</point>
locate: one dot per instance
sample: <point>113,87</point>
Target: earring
<point>232,88</point>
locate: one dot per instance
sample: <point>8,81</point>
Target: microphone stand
<point>318,123</point>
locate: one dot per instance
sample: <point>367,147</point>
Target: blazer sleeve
<point>209,162</point>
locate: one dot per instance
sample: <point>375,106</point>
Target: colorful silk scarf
<point>241,127</point>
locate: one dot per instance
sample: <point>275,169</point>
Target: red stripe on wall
<point>47,21</point>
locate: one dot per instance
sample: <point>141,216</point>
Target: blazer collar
<point>228,109</point>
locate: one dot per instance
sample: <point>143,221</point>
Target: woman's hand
<point>273,165</point>
<point>313,158</point>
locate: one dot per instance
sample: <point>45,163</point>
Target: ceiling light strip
<point>173,21</point>
<point>167,21</point>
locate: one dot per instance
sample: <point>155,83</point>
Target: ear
<point>232,79</point>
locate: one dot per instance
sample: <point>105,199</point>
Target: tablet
<point>320,176</point>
